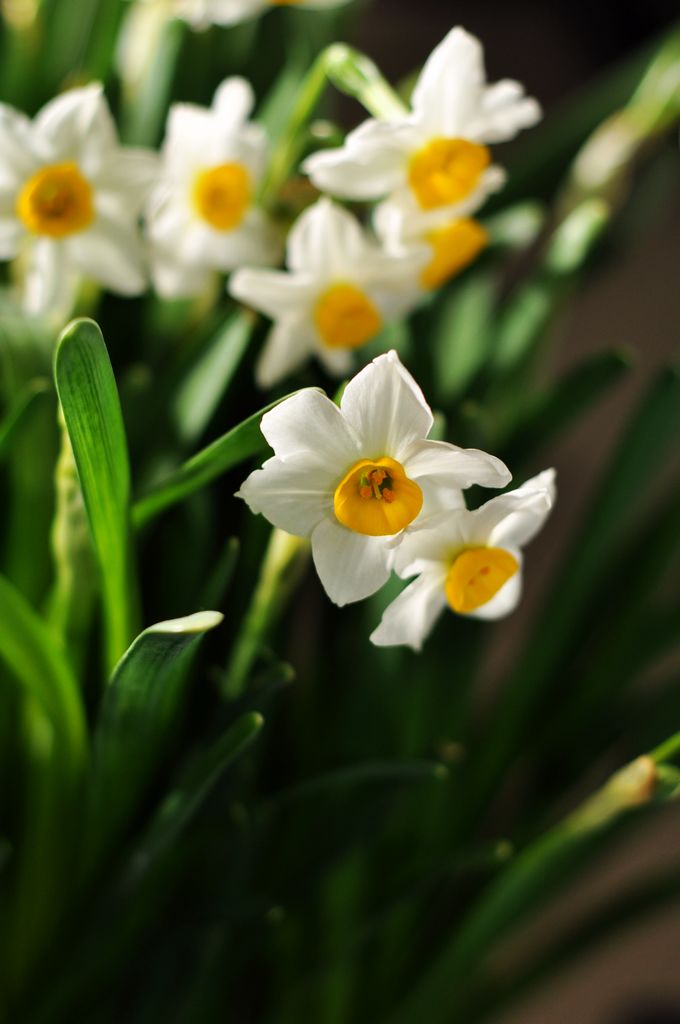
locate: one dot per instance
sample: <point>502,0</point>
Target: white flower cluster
<point>373,494</point>
<point>71,200</point>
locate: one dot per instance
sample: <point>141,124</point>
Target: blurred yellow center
<point>453,248</point>
<point>446,171</point>
<point>345,317</point>
<point>222,195</point>
<point>477,575</point>
<point>376,498</point>
<point>56,201</point>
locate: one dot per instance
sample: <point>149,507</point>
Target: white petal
<point>110,252</point>
<point>372,162</point>
<point>513,519</point>
<point>201,13</point>
<point>173,279</point>
<point>11,232</point>
<point>385,408</point>
<point>449,88</point>
<point>430,541</point>
<point>273,292</point>
<point>453,466</point>
<point>292,495</point>
<point>233,101</point>
<point>289,344</point>
<point>337,362</point>
<point>350,565</point>
<point>18,159</point>
<point>504,601</point>
<point>77,126</point>
<point>504,111</point>
<point>125,180</point>
<point>308,423</point>
<point>325,241</point>
<point>411,616</point>
<point>50,283</point>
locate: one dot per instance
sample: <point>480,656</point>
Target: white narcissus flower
<point>202,216</point>
<point>468,560</point>
<point>433,163</point>
<point>201,13</point>
<point>354,478</point>
<point>340,290</point>
<point>70,198</point>
<point>445,248</point>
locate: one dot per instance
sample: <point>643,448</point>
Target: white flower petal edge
<point>429,549</point>
<point>383,414</point>
<point>202,13</point>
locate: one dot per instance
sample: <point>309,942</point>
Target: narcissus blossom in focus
<point>340,290</point>
<point>468,560</point>
<point>203,216</point>
<point>433,164</point>
<point>70,198</point>
<point>356,477</point>
<point>201,13</point>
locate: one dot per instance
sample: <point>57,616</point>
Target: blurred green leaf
<point>205,383</point>
<point>21,410</point>
<point>184,801</point>
<point>239,444</point>
<point>138,716</point>
<point>462,334</point>
<point>89,400</point>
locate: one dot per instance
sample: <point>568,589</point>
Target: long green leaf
<point>138,717</point>
<point>89,399</point>
<point>184,801</point>
<point>20,410</point>
<point>239,444</point>
<point>54,751</point>
<point>204,384</point>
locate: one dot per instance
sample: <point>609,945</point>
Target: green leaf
<point>204,385</point>
<point>239,444</point>
<point>138,717</point>
<point>21,410</point>
<point>462,334</point>
<point>54,758</point>
<point>184,801</point>
<point>89,400</point>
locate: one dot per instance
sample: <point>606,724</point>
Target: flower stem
<point>283,562</point>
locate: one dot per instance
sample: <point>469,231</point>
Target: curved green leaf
<point>89,399</point>
<point>137,720</point>
<point>239,444</point>
<point>20,410</point>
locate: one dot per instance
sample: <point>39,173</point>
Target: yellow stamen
<point>56,201</point>
<point>376,498</point>
<point>446,171</point>
<point>345,317</point>
<point>454,247</point>
<point>477,575</point>
<point>222,195</point>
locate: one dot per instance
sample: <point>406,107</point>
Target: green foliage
<point>364,859</point>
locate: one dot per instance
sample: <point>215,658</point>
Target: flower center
<point>477,575</point>
<point>56,201</point>
<point>345,317</point>
<point>445,171</point>
<point>222,195</point>
<point>376,498</point>
<point>453,247</point>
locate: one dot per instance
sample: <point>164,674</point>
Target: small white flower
<point>202,216</point>
<point>201,13</point>
<point>444,248</point>
<point>471,561</point>
<point>354,477</point>
<point>70,190</point>
<point>433,163</point>
<point>340,290</point>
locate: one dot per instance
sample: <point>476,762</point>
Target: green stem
<point>283,561</point>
